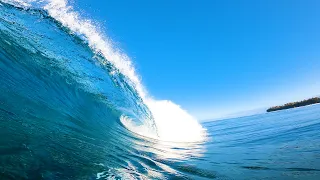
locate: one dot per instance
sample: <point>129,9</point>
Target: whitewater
<point>72,106</point>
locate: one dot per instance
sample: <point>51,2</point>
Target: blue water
<point>62,101</point>
<point>278,145</point>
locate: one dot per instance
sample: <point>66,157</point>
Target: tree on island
<point>305,102</point>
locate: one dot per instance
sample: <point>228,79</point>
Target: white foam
<point>173,123</point>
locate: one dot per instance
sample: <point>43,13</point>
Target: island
<point>305,102</point>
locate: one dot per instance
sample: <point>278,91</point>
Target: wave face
<point>72,105</point>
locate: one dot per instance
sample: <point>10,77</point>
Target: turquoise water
<point>72,109</point>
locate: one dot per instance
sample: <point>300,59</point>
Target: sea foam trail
<point>172,122</point>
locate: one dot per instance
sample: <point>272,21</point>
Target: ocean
<point>73,107</point>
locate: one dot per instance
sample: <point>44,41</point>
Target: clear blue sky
<point>218,57</point>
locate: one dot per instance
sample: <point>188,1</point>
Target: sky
<point>217,57</point>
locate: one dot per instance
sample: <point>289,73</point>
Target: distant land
<point>305,102</point>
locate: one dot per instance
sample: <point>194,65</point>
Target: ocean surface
<point>73,107</point>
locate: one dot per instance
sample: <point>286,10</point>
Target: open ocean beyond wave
<point>70,109</point>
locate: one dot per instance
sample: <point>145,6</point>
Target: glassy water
<point>278,145</point>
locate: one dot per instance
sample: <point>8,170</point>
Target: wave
<point>83,54</point>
